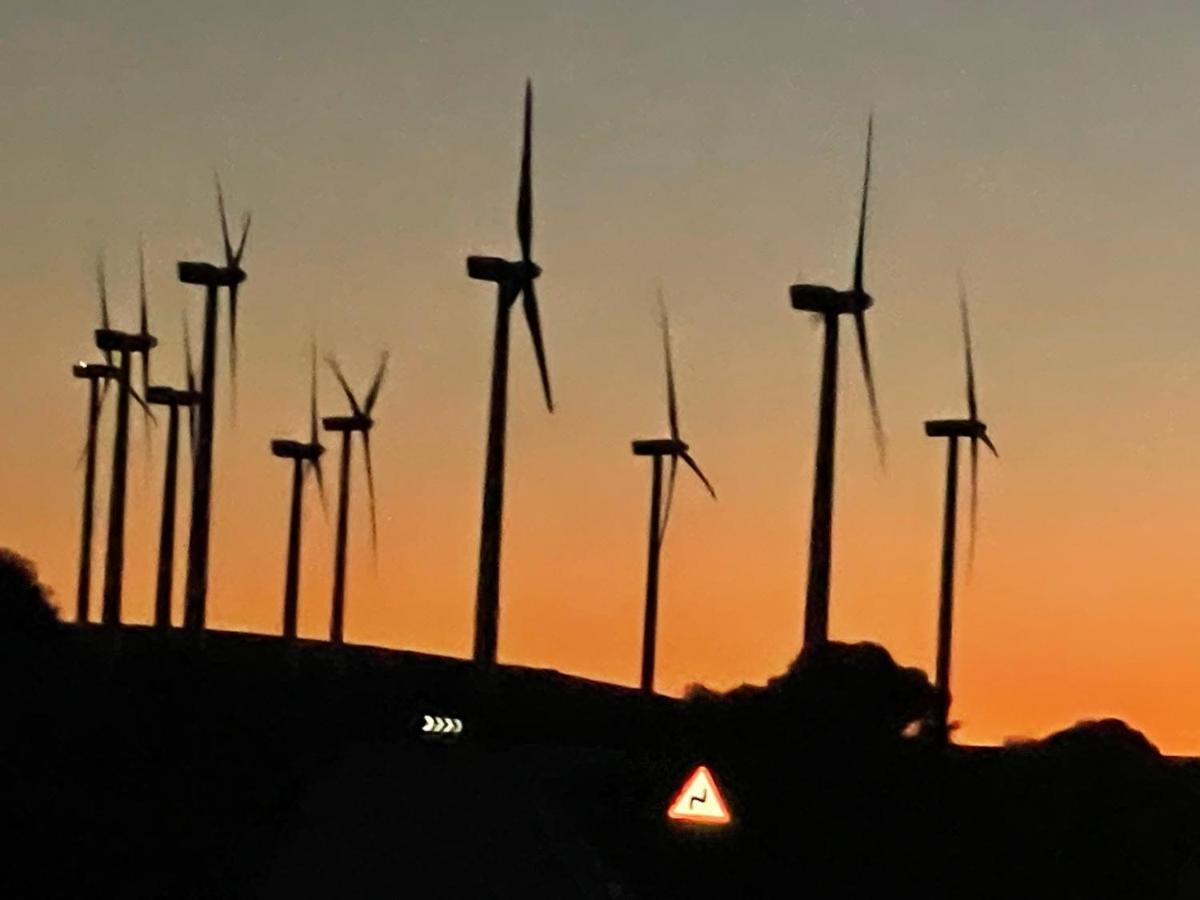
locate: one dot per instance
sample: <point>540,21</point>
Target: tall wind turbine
<point>301,454</point>
<point>93,374</point>
<point>212,278</point>
<point>173,399</point>
<point>125,345</point>
<point>675,449</point>
<point>513,279</point>
<point>358,421</point>
<point>952,429</point>
<point>830,304</point>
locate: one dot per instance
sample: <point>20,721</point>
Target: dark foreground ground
<point>134,764</point>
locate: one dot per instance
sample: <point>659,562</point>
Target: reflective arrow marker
<point>441,725</point>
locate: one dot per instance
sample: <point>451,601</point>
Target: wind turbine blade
<point>366,436</point>
<point>373,393</point>
<point>525,190</point>
<point>102,289</point>
<point>666,516</point>
<point>233,351</point>
<point>337,370</point>
<point>672,403</point>
<point>974,503</point>
<point>529,303</point>
<point>862,213</point>
<point>144,324</point>
<point>145,407</point>
<point>972,405</point>
<point>316,465</point>
<point>695,468</point>
<point>987,440</point>
<point>237,257</point>
<point>187,357</point>
<point>191,386</point>
<point>312,397</point>
<point>860,324</point>
<point>224,221</point>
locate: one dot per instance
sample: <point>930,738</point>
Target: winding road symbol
<point>700,800</point>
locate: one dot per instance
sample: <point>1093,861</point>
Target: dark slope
<point>152,766</point>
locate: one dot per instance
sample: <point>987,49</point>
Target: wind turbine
<point>830,304</point>
<point>212,278</point>
<point>300,453</point>
<point>358,421</point>
<point>93,374</point>
<point>173,399</point>
<point>125,345</point>
<point>952,429</point>
<point>513,279</point>
<point>657,448</point>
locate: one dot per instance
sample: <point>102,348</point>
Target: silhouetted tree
<point>25,606</point>
<point>832,691</point>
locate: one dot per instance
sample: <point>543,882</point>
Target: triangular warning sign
<point>700,800</point>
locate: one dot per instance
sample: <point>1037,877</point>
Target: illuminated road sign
<point>700,801</point>
<point>441,725</point>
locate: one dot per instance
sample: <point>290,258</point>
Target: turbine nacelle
<point>659,447</point>
<point>289,449</point>
<point>502,271</point>
<point>347,423</point>
<point>209,275</point>
<point>93,371</point>
<point>112,341</point>
<point>951,428</point>
<point>823,300</point>
<point>163,395</point>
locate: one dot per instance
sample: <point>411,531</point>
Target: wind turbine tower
<point>358,421</point>
<point>829,304</point>
<point>302,456</point>
<point>975,430</point>
<point>513,279</point>
<point>212,278</point>
<point>658,449</point>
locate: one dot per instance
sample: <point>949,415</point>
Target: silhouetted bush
<point>25,606</point>
<point>833,691</point>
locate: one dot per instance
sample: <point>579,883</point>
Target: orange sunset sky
<point>1049,150</point>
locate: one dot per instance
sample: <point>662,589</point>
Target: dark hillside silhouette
<point>254,766</point>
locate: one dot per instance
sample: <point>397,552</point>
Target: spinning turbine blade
<point>862,214</point>
<point>974,504</point>
<point>102,289</point>
<point>234,260</point>
<point>525,190</point>
<point>191,386</point>
<point>672,405</point>
<point>373,393</point>
<point>972,406</point>
<point>987,440</point>
<point>224,222</point>
<point>237,257</point>
<point>529,304</point>
<point>366,436</point>
<point>860,324</point>
<point>312,397</point>
<point>695,468</point>
<point>144,324</point>
<point>233,353</point>
<point>142,403</point>
<point>337,371</point>
<point>316,465</point>
<point>666,516</point>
